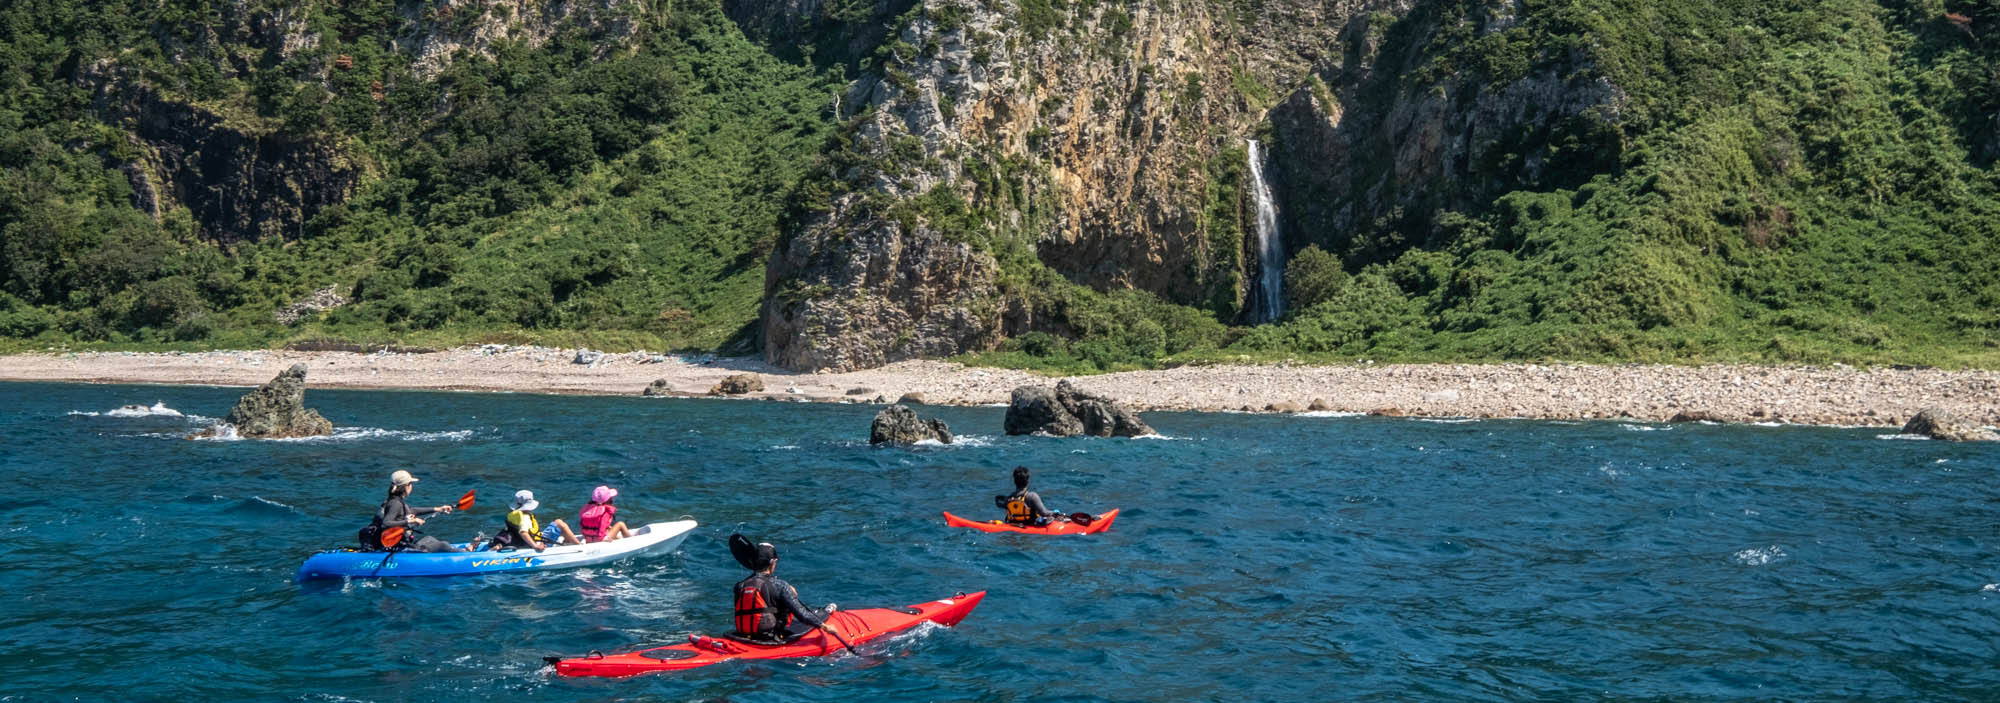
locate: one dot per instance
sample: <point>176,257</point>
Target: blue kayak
<point>657,538</point>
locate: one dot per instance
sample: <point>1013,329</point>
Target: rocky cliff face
<point>240,183</point>
<point>1093,138</point>
<point>244,178</point>
<point>1372,136</point>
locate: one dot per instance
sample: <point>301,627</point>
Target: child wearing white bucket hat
<point>523,530</point>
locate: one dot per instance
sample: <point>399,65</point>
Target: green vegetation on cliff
<point>615,190</point>
<point>1793,182</point>
<point>1787,181</point>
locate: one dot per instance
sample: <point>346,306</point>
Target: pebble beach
<point>1721,393</point>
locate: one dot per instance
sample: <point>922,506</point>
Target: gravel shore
<point>1818,396</point>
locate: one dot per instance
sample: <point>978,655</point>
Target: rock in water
<point>1034,409</point>
<point>277,410</point>
<point>900,425</point>
<point>1938,423</point>
<point>912,398</point>
<point>737,384</point>
<point>657,388</point>
<point>1068,411</point>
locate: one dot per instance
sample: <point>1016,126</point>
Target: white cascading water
<point>1270,247</point>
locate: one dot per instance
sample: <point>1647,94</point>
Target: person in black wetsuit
<point>765,605</point>
<point>396,512</point>
<point>1024,507</point>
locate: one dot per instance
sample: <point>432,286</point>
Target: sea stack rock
<point>737,384</point>
<point>900,425</point>
<point>1938,423</point>
<point>1068,411</point>
<point>277,410</point>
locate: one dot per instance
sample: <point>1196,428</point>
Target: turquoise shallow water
<point>1257,558</point>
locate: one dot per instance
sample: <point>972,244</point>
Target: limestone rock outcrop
<point>658,387</point>
<point>1938,423</point>
<point>898,424</point>
<point>1067,411</point>
<point>275,410</point>
<point>737,384</point>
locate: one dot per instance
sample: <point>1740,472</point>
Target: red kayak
<point>857,626</point>
<point>1059,527</point>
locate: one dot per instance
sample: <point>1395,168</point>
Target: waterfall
<point>1270,300</point>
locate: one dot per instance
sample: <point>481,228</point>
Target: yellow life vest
<point>1017,510</point>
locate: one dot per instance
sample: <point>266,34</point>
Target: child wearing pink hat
<point>599,520</point>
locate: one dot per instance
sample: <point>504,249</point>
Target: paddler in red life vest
<point>598,521</point>
<point>1024,507</point>
<point>766,606</point>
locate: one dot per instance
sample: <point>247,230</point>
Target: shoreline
<point>1837,396</point>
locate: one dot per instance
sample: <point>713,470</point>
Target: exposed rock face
<point>658,388</point>
<point>1284,406</point>
<point>433,38</point>
<point>737,384</point>
<point>912,398</point>
<point>1938,423</point>
<point>1319,405</point>
<point>1694,416</point>
<point>854,290</point>
<point>1100,144</point>
<point>241,184</point>
<point>277,410</point>
<point>900,425</point>
<point>1067,411</point>
<point>321,300</point>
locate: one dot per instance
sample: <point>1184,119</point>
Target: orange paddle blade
<point>391,536</point>
<point>465,501</point>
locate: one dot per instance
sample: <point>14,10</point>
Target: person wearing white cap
<point>523,530</point>
<point>396,512</point>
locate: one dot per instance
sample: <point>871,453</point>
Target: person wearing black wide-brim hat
<point>766,606</point>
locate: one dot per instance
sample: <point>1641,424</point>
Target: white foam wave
<point>1448,420</point>
<point>273,503</point>
<point>1899,435</point>
<point>784,446</point>
<point>1990,588</point>
<point>1643,428</point>
<point>225,432</point>
<point>1328,413</point>
<point>1760,556</point>
<point>157,409</point>
<point>1164,437</point>
<point>964,440</point>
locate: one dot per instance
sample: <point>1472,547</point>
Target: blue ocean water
<point>1257,558</point>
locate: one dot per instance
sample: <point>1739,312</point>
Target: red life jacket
<point>595,519</point>
<point>752,606</point>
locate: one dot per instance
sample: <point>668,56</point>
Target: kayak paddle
<point>393,535</point>
<point>836,635</point>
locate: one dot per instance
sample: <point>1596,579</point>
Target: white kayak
<point>657,538</point>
